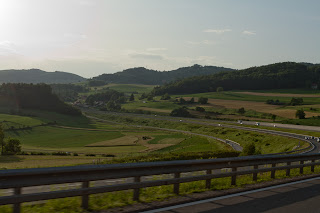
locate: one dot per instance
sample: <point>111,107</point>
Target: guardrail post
<point>288,170</point>
<point>208,182</point>
<point>255,174</point>
<point>273,172</point>
<point>301,168</point>
<point>17,206</point>
<point>136,192</point>
<point>176,185</point>
<point>85,198</point>
<point>233,177</point>
<point>312,167</point>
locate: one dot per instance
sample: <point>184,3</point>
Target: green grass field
<point>125,88</point>
<point>246,97</point>
<point>130,88</point>
<point>287,91</point>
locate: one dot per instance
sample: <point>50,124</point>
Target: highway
<point>296,197</point>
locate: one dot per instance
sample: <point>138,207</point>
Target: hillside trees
<point>1,139</point>
<point>141,75</point>
<point>106,96</point>
<point>33,96</point>
<point>273,76</point>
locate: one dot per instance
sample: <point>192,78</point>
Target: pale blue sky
<point>91,37</point>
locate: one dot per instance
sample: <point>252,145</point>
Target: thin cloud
<point>157,49</point>
<point>75,36</point>
<point>7,47</point>
<point>204,42</point>
<point>146,56</point>
<point>217,31</point>
<point>247,32</point>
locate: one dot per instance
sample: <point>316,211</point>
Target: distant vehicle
<point>318,139</point>
<point>306,137</point>
<point>274,125</point>
<point>155,115</point>
<point>219,124</point>
<point>240,121</point>
<point>180,120</point>
<point>257,124</point>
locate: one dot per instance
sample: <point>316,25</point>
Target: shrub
<point>108,155</point>
<point>203,100</point>
<point>249,149</point>
<point>200,109</point>
<point>220,89</point>
<point>61,153</point>
<point>241,110</point>
<point>300,114</point>
<point>12,146</point>
<point>180,112</point>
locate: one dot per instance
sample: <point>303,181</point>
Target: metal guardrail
<point>19,178</point>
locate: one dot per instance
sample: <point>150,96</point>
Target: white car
<point>257,124</point>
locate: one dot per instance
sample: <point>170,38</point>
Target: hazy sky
<point>91,37</point>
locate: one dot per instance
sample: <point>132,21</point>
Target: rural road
<point>296,197</point>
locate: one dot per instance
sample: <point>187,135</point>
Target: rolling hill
<point>141,75</point>
<point>38,76</point>
<point>273,76</point>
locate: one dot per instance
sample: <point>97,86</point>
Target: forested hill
<point>142,75</point>
<point>273,76</point>
<point>38,76</point>
<point>15,97</point>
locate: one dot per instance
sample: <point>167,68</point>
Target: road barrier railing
<point>19,178</point>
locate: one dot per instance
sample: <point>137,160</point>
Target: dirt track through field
<point>280,94</point>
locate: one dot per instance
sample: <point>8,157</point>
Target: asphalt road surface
<point>297,197</point>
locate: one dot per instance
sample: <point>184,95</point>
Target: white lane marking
<point>228,196</point>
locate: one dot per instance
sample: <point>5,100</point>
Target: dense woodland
<point>274,76</point>
<point>33,96</point>
<point>142,75</point>
<point>68,92</point>
<point>106,96</point>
